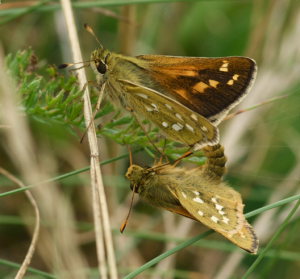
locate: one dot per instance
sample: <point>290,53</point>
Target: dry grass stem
<point>96,180</point>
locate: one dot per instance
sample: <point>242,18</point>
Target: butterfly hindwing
<point>208,86</point>
<point>177,121</point>
<point>221,209</point>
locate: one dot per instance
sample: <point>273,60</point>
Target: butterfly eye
<point>101,67</point>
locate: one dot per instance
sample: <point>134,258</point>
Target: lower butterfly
<point>199,194</point>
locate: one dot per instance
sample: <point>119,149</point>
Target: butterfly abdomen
<point>214,168</point>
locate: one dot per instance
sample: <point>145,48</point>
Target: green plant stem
<point>23,11</point>
<point>219,245</point>
<point>63,176</point>
<point>91,4</point>
<point>275,236</point>
<point>273,205</point>
<point>195,239</point>
<point>167,254</point>
<point>30,269</point>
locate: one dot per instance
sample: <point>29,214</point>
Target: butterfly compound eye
<point>101,67</point>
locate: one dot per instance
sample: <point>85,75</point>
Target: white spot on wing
<point>214,200</point>
<point>154,106</point>
<point>214,219</point>
<point>144,96</point>
<point>225,220</point>
<point>196,193</point>
<point>165,124</point>
<point>242,235</point>
<point>178,116</point>
<point>194,116</point>
<point>203,128</point>
<point>168,106</point>
<point>190,127</point>
<point>200,213</point>
<point>198,200</point>
<point>149,109</point>
<point>177,126</point>
<point>219,207</point>
<point>221,212</point>
<point>183,194</point>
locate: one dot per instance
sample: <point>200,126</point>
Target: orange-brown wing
<point>209,86</point>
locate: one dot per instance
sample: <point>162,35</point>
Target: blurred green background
<point>262,145</point>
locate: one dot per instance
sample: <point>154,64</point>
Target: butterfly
<point>199,194</point>
<point>186,97</point>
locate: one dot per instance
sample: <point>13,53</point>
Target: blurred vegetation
<point>265,170</point>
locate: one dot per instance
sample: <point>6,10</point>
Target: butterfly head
<point>136,175</point>
<point>100,60</point>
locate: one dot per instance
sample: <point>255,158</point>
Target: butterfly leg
<point>146,133</point>
<point>186,154</point>
<point>160,162</point>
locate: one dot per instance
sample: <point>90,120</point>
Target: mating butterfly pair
<point>185,98</point>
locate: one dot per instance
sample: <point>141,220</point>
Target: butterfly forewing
<point>220,208</point>
<point>175,120</point>
<point>209,86</point>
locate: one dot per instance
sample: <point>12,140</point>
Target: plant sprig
<point>50,97</point>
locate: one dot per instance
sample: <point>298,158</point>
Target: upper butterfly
<point>184,96</point>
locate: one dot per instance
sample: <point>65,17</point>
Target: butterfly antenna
<point>67,65</point>
<point>91,31</point>
<point>123,226</point>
